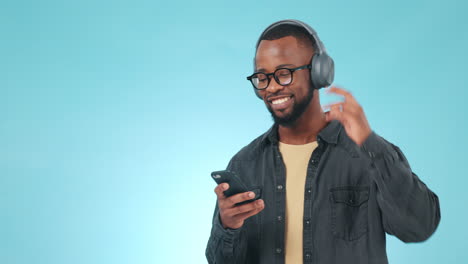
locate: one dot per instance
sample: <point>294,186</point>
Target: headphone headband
<point>294,22</point>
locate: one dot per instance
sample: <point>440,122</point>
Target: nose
<point>274,87</point>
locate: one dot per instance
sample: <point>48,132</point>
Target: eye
<point>283,73</point>
<point>261,77</point>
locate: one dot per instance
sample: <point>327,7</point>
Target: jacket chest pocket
<point>349,214</point>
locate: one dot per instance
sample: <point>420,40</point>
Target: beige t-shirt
<point>296,159</point>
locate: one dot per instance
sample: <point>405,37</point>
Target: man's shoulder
<point>374,143</point>
<point>252,150</point>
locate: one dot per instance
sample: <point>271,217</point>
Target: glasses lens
<point>260,80</point>
<point>283,76</point>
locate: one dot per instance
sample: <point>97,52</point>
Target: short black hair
<point>303,36</point>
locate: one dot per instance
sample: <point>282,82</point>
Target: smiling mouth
<point>280,100</point>
<point>280,104</point>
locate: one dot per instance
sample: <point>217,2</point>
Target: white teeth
<point>279,101</point>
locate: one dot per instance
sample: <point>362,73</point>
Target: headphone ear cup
<point>322,72</point>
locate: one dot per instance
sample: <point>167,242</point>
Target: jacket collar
<point>329,133</point>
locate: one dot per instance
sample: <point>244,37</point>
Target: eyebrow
<point>277,67</point>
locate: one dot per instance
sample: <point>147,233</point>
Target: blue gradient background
<point>114,113</point>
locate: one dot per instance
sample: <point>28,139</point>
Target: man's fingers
<point>344,107</point>
<point>260,205</point>
<point>229,202</point>
<point>337,90</point>
<point>347,95</point>
<point>237,198</point>
<point>234,217</point>
<point>219,190</point>
<point>339,106</point>
<point>336,114</point>
<point>241,209</point>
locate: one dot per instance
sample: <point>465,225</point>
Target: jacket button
<point>279,218</point>
<point>278,250</point>
<point>307,255</point>
<point>279,187</point>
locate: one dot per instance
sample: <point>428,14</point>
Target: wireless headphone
<point>322,71</point>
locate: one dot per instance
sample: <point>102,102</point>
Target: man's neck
<point>304,130</point>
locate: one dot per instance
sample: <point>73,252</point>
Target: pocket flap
<point>352,196</point>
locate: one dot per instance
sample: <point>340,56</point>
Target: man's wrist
<point>373,146</point>
<point>227,230</point>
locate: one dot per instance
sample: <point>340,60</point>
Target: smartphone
<point>235,184</point>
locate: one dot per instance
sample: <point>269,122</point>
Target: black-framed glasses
<point>283,76</point>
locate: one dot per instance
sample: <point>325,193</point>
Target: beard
<point>298,109</point>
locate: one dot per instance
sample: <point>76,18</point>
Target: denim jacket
<point>353,196</point>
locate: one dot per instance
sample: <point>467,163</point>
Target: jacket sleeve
<point>410,210</point>
<point>225,245</point>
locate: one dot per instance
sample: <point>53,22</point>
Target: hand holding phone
<point>235,184</point>
<point>235,202</point>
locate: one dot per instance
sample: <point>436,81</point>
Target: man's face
<point>285,103</point>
